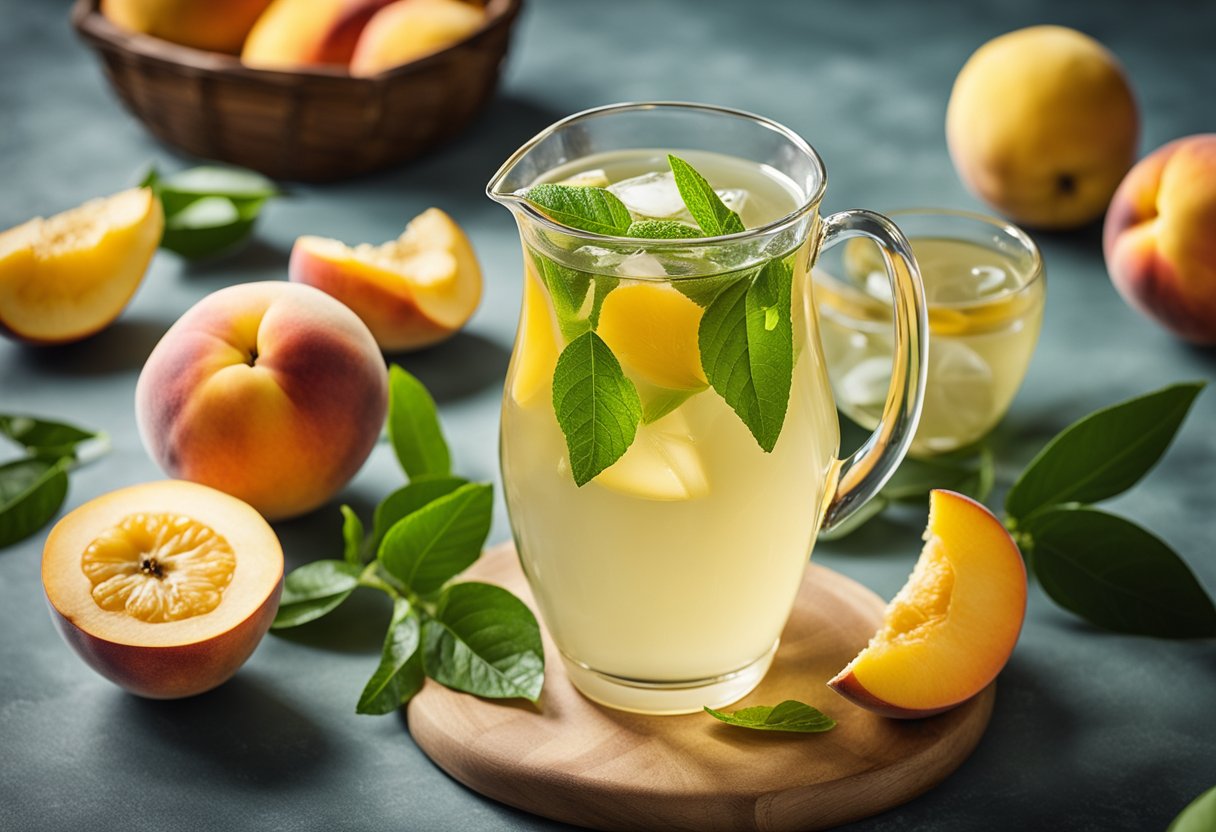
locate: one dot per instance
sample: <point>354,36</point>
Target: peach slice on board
<point>953,626</point>
<point>68,277</point>
<point>164,588</point>
<point>412,292</point>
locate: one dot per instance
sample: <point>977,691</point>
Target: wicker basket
<point>314,125</point>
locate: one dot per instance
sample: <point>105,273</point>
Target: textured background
<point>1091,731</point>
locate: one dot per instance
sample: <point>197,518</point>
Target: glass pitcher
<point>682,382</point>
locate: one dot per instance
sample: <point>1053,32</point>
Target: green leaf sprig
<point>209,210</point>
<point>32,489</point>
<point>1198,816</point>
<point>745,335</point>
<point>790,716</point>
<point>472,637</point>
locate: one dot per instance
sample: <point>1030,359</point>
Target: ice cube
<point>733,198</point>
<point>652,195</point>
<point>641,265</point>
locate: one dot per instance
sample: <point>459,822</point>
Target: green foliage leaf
<point>237,184</point>
<point>1198,816</point>
<point>664,400</point>
<point>408,499</point>
<point>971,474</point>
<point>1104,453</point>
<point>1116,574</point>
<point>313,590</point>
<point>791,715</point>
<point>209,225</point>
<point>439,540</point>
<point>400,674</point>
<point>31,492</point>
<point>597,407</point>
<point>662,230</point>
<point>44,437</point>
<point>413,427</point>
<point>583,207</point>
<point>746,341</point>
<point>352,537</point>
<point>568,291</point>
<point>483,640</point>
<point>706,207</point>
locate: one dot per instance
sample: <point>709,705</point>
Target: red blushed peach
<point>412,292</point>
<point>296,33</point>
<point>408,29</point>
<point>164,588</point>
<point>272,392</point>
<point>953,626</point>
<point>1160,237</point>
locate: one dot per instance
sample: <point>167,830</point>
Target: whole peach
<point>272,392</point>
<point>1160,237</point>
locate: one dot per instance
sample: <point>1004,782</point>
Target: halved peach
<point>412,292</point>
<point>164,588</point>
<point>68,277</point>
<point>953,626</point>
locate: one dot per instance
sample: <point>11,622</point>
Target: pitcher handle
<point>863,473</point>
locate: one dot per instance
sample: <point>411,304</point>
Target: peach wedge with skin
<point>953,626</point>
<point>164,588</point>
<point>412,292</point>
<point>65,278</point>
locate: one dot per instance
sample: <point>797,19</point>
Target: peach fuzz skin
<point>272,392</point>
<point>296,33</point>
<point>1160,238</point>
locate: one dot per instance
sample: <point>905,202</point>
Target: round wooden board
<point>575,761</point>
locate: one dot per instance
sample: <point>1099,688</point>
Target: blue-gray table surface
<point>1091,730</point>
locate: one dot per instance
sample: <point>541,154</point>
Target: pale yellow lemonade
<point>663,567</point>
<point>985,312</point>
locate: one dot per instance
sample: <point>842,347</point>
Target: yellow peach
<point>272,392</point>
<point>1042,125</point>
<point>299,33</point>
<point>408,29</point>
<point>412,292</point>
<point>67,277</point>
<point>215,25</point>
<point>1160,237</point>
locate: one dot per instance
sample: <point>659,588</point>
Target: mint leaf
<point>1198,816</point>
<point>31,492</point>
<point>413,427</point>
<point>1104,453</point>
<point>46,438</point>
<point>399,675</point>
<point>662,230</point>
<point>706,207</point>
<point>583,207</point>
<point>208,225</point>
<point>791,715</point>
<point>568,291</point>
<point>485,641</point>
<point>1116,574</point>
<point>408,499</point>
<point>746,361</point>
<point>352,537</point>
<point>313,590</point>
<point>439,540</point>
<point>662,402</point>
<point>597,407</point>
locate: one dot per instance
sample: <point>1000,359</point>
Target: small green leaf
<point>597,407</point>
<point>208,225</point>
<point>44,437</point>
<point>485,641</point>
<point>31,492</point>
<point>663,401</point>
<point>413,427</point>
<point>703,291</point>
<point>352,536</point>
<point>586,208</point>
<point>209,180</point>
<point>662,230</point>
<point>750,365</point>
<point>706,207</point>
<point>313,590</point>
<point>1198,816</point>
<point>791,715</point>
<point>1104,453</point>
<point>439,540</point>
<point>567,290</point>
<point>400,674</point>
<point>971,474</point>
<point>408,499</point>
<point>1116,574</point>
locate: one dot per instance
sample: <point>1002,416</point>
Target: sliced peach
<point>164,588</point>
<point>536,355</point>
<point>953,626</point>
<point>409,29</point>
<point>67,277</point>
<point>652,330</point>
<point>412,292</point>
